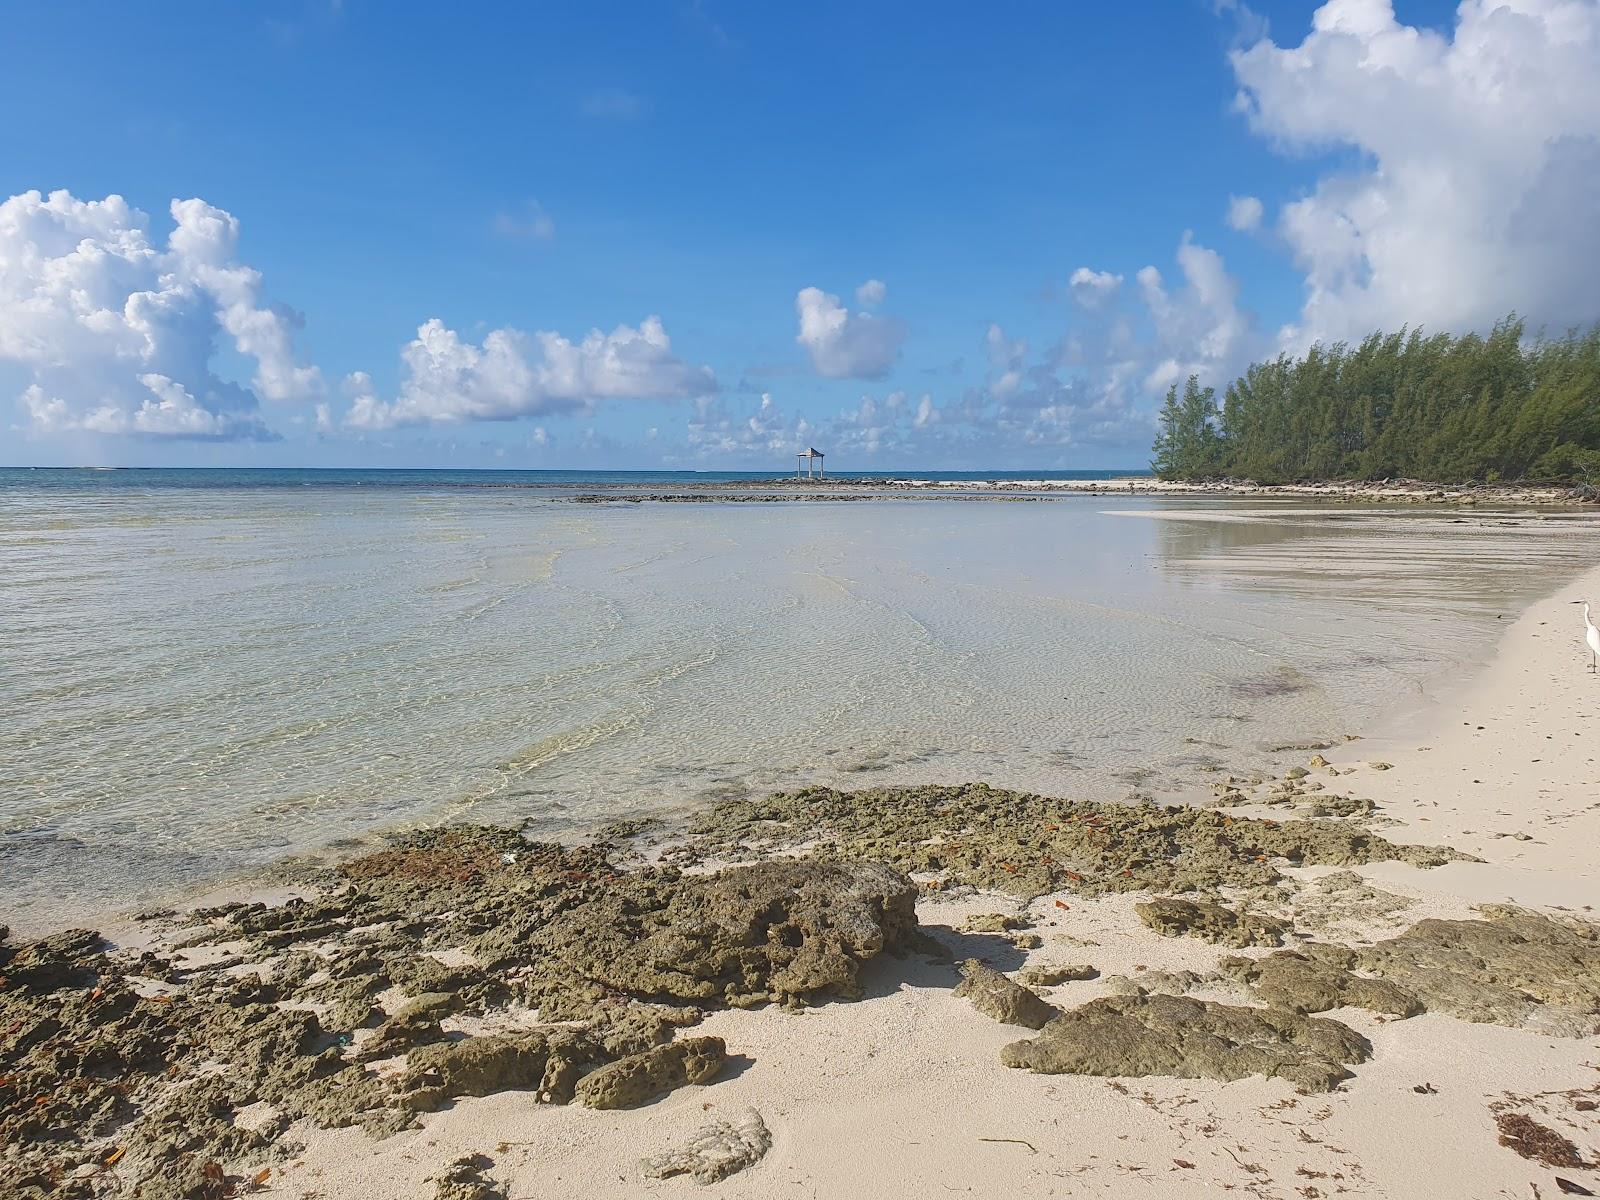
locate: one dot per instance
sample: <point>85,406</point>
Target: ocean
<point>204,672</point>
<point>256,478</point>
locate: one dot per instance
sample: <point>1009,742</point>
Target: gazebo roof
<point>810,452</point>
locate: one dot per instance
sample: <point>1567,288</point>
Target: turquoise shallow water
<point>201,680</point>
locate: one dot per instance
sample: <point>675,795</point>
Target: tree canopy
<point>1441,407</point>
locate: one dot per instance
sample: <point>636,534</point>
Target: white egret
<point>1591,635</point>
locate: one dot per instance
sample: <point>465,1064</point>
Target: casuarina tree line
<point>1441,407</point>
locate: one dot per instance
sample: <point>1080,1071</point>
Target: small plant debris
<point>1537,1142</point>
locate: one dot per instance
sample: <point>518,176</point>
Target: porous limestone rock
<point>717,1150</point>
<point>992,923</point>
<point>1316,979</point>
<point>463,1180</point>
<point>994,995</point>
<point>1212,922</point>
<point>1191,1039</point>
<point>1051,974</point>
<point>1028,845</point>
<point>1514,967</point>
<point>642,1077</point>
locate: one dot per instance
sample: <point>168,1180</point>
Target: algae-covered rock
<point>463,1180</point>
<point>1146,983</point>
<point>545,1062</point>
<point>716,1151</point>
<point>564,930</point>
<point>642,1077</point>
<point>1514,967</point>
<point>414,1024</point>
<point>785,931</point>
<point>1306,984</point>
<point>1051,974</point>
<point>629,1028</point>
<point>1172,917</point>
<point>53,962</point>
<point>1029,845</point>
<point>1005,1000</point>
<point>466,920</point>
<point>992,923</point>
<point>1191,1039</point>
<point>1337,806</point>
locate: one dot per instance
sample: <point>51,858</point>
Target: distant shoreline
<point>685,486</point>
<point>888,487</point>
<point>1399,491</point>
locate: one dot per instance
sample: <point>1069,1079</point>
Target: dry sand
<point>903,1094</point>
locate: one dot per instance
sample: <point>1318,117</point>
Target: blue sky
<point>572,168</point>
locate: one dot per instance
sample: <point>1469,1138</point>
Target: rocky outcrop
<point>994,995</point>
<point>538,1061</point>
<point>640,1078</point>
<point>1316,981</point>
<point>1051,974</point>
<point>1514,967</point>
<point>1209,921</point>
<point>466,921</point>
<point>464,1180</point>
<point>1029,845</point>
<point>1191,1039</point>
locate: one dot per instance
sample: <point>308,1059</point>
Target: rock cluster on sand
<point>1316,980</point>
<point>1051,974</point>
<point>1212,922</point>
<point>1029,845</point>
<point>463,1180</point>
<point>1514,967</point>
<point>148,1061</point>
<point>1191,1039</point>
<point>464,962</point>
<point>1007,1001</point>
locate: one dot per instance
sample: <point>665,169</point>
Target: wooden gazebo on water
<point>806,458</point>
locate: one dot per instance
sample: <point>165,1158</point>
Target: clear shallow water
<point>196,681</point>
<point>108,479</point>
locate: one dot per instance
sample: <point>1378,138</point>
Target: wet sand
<point>905,1091</point>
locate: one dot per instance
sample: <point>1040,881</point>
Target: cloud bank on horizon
<point>1466,184</point>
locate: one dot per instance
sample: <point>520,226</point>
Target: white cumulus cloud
<point>1091,288</point>
<point>118,331</point>
<point>871,293</point>
<point>846,345</point>
<point>765,435</point>
<point>1244,213</point>
<point>1480,189</point>
<point>1006,357</point>
<point>513,374</point>
<point>1200,328</point>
